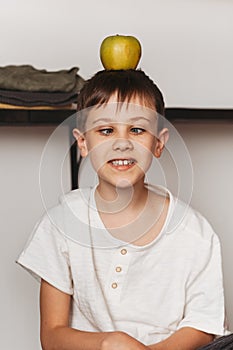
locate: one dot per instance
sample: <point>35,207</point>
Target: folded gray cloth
<point>222,343</point>
<point>31,98</point>
<point>28,78</point>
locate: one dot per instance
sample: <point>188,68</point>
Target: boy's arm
<point>56,333</point>
<point>186,338</point>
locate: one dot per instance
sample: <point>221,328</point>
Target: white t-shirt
<point>146,291</point>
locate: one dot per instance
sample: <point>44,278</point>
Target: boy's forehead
<point>120,112</point>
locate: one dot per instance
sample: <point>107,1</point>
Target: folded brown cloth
<point>28,78</point>
<point>27,98</point>
<point>6,106</point>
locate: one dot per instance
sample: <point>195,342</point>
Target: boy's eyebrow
<point>134,119</point>
<point>101,120</point>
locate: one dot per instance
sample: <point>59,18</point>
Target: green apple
<point>120,52</point>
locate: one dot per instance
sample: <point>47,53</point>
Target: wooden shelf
<point>21,117</point>
<point>198,114</point>
<point>18,117</point>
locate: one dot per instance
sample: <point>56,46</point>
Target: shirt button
<point>114,285</point>
<point>123,251</point>
<point>118,269</point>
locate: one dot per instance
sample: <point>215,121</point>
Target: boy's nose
<point>122,144</point>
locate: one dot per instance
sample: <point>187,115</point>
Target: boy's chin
<point>124,183</point>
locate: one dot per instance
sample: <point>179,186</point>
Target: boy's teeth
<point>122,162</point>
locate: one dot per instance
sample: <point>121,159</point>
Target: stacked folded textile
<point>26,86</point>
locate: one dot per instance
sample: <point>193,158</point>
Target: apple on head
<point>120,52</point>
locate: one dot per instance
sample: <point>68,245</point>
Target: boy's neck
<point>112,199</point>
<point>135,215</point>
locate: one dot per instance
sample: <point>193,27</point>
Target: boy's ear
<point>81,141</point>
<point>161,142</point>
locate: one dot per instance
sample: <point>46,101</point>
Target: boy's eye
<point>106,131</point>
<point>137,131</point>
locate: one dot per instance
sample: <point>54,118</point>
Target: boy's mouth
<point>124,163</point>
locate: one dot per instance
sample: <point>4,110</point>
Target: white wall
<point>210,145</point>
<point>21,206</point>
<point>187,50</point>
<point>187,44</point>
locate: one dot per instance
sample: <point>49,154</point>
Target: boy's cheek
<point>98,153</point>
<point>99,145</point>
<point>98,162</point>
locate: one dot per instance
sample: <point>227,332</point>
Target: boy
<point>115,272</point>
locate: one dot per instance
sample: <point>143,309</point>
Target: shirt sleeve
<point>46,256</point>
<point>204,308</point>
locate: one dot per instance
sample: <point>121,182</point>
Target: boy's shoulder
<point>190,223</point>
<point>73,203</point>
<point>78,196</point>
<point>70,216</point>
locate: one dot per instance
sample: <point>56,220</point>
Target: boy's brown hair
<point>126,84</point>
